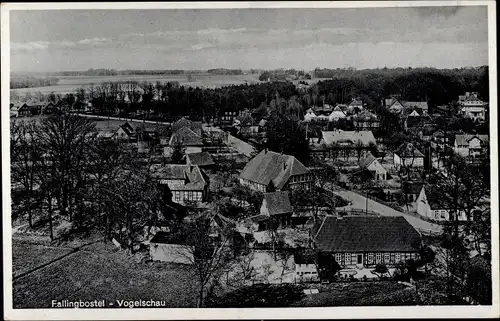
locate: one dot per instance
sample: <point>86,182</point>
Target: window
<point>190,195</point>
<point>370,258</point>
<point>338,258</point>
<point>379,257</point>
<point>392,258</point>
<point>386,257</point>
<point>347,258</point>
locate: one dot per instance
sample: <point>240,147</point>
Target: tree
<point>67,139</point>
<point>26,153</point>
<point>208,256</point>
<point>178,152</point>
<point>359,147</point>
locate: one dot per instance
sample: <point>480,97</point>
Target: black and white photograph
<point>253,155</point>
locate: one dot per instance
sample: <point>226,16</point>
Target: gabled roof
<point>278,203</point>
<point>366,234</point>
<point>269,166</point>
<point>190,176</point>
<point>187,137</point>
<point>462,140</point>
<point>408,150</point>
<point>365,136</point>
<point>200,159</point>
<point>367,159</point>
<point>195,126</point>
<point>416,104</point>
<point>356,102</point>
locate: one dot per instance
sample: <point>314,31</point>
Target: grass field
<point>355,293</point>
<point>29,256</point>
<point>100,272</point>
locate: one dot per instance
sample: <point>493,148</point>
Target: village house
<point>393,105</point>
<point>195,126</point>
<point>370,163</point>
<point>336,114</point>
<point>125,132</point>
<point>416,108</point>
<point>472,106</point>
<point>430,205</point>
<point>439,140</point>
<point>470,145</point>
<point>246,125</point>
<point>161,249</point>
<point>366,121</point>
<point>228,117</point>
<point>277,209</point>
<point>190,140</point>
<point>408,156</point>
<point>48,109</point>
<point>271,170</point>
<point>338,143</point>
<point>355,106</point>
<point>186,182</point>
<point>365,241</point>
<point>20,110</point>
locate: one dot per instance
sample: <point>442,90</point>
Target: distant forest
<point>29,82</point>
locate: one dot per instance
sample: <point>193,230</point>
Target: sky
<point>58,40</point>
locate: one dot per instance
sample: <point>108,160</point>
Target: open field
<point>71,83</point>
<point>356,293</point>
<point>100,272</point>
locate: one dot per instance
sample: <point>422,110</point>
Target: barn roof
<point>366,234</point>
<point>200,159</point>
<point>278,203</point>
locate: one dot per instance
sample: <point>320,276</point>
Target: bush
<point>258,295</point>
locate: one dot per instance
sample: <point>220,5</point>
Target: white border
<point>257,313</point>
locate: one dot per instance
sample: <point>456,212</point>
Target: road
<point>359,202</point>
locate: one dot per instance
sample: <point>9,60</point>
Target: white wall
<point>172,253</point>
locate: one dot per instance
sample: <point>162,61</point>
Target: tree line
<point>30,82</point>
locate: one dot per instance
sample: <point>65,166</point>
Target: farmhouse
<point>269,169</point>
<point>370,163</point>
<point>186,182</point>
<point>470,145</point>
<point>408,156</point>
<point>361,241</point>
<point>195,126</point>
<point>417,108</point>
<point>190,140</point>
<point>355,106</point>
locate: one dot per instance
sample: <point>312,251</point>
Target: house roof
<point>462,140</point>
<point>412,187</point>
<point>356,102</point>
<point>195,126</point>
<point>200,159</point>
<point>416,104</point>
<point>278,203</point>
<point>366,233</point>
<point>187,137</point>
<point>365,115</point>
<point>365,136</point>
<point>304,257</point>
<point>269,166</point>
<point>188,177</point>
<point>367,159</point>
<point>408,150</point>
